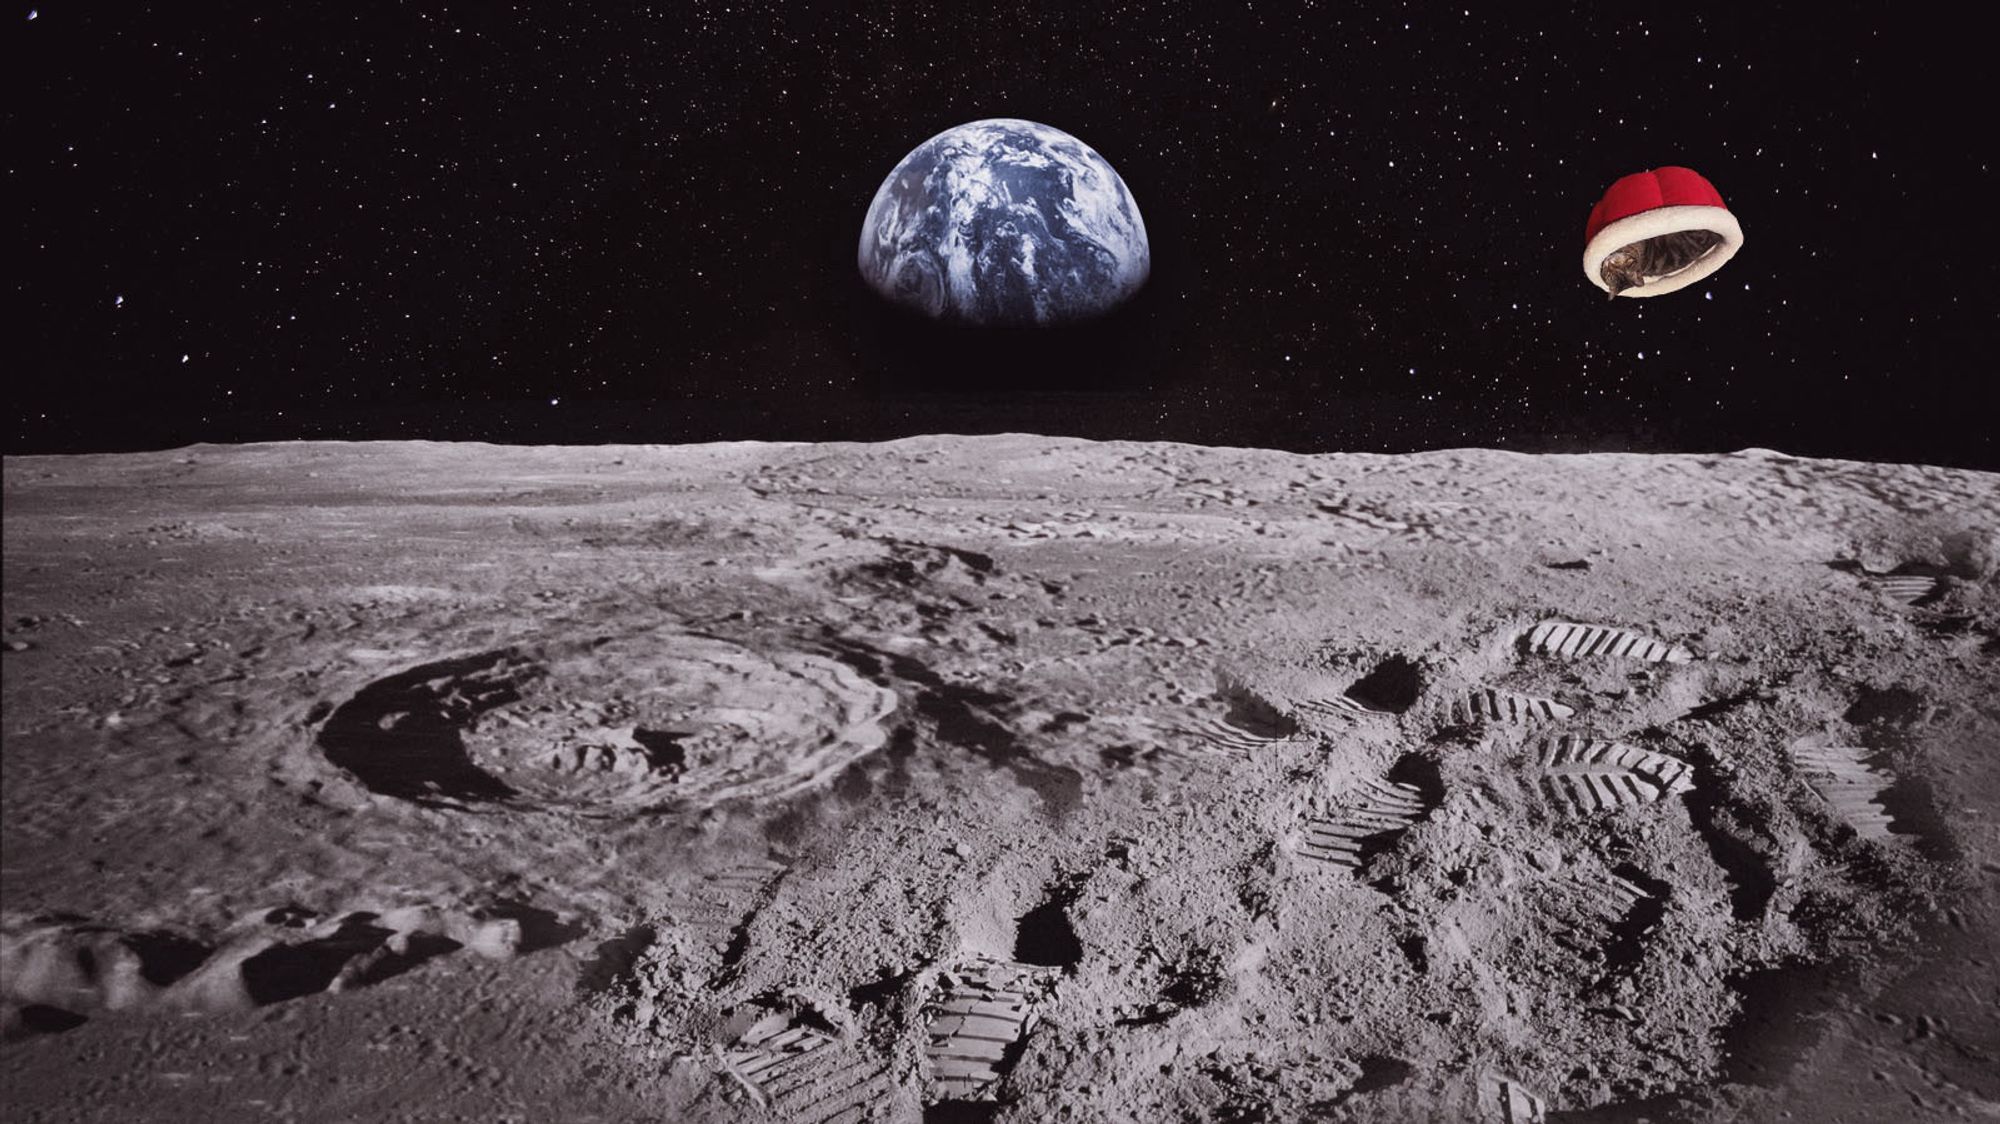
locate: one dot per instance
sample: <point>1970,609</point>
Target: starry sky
<point>590,223</point>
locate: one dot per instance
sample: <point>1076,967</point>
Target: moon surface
<point>1011,777</point>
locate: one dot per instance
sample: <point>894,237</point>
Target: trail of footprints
<point>1573,641</point>
<point>1209,742</point>
<point>1579,775</point>
<point>984,1009</point>
<point>1584,775</point>
<point>1484,704</point>
<point>1610,898</point>
<point>976,1021</point>
<point>1371,818</point>
<point>1338,707</point>
<point>800,1073</point>
<point>1844,780</point>
<point>1910,589</point>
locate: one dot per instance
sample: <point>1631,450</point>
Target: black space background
<point>592,223</point>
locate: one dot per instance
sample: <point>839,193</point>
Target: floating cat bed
<point>1654,232</point>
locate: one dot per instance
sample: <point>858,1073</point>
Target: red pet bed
<point>1659,231</point>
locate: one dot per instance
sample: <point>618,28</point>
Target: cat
<point>1650,259</point>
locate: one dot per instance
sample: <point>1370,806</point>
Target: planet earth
<point>1005,222</point>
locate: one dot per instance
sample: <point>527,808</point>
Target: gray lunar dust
<point>1005,778</point>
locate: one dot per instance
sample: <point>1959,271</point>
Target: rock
<point>496,939</point>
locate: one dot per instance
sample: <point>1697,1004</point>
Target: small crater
<point>1194,981</point>
<point>40,1018</point>
<point>290,917</point>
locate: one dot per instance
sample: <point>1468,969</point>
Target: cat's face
<point>1622,270</point>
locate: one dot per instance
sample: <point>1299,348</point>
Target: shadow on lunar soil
<point>401,736</point>
<point>962,716</point>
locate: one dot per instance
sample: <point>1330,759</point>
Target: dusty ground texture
<point>1001,778</point>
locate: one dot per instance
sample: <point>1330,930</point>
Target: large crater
<point>663,721</point>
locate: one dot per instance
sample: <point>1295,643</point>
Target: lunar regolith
<point>1005,778</point>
